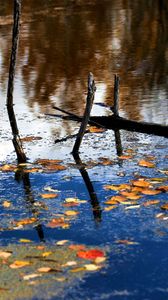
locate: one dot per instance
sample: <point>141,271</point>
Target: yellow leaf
<point>25,241</point>
<point>111,201</point>
<point>6,204</point>
<point>71,213</point>
<point>76,270</point>
<point>92,267</point>
<point>8,168</point>
<point>19,264</point>
<point>26,221</point>
<point>99,260</point>
<point>132,207</point>
<point>75,200</point>
<point>145,163</point>
<point>45,254</point>
<point>70,264</point>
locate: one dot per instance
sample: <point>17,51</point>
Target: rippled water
<point>60,42</point>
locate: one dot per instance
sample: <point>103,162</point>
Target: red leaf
<point>90,254</point>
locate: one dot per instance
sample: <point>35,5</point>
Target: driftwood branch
<point>16,139</point>
<point>89,103</point>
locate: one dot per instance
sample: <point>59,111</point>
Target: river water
<point>60,42</point>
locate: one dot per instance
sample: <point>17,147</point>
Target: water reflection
<point>61,43</point>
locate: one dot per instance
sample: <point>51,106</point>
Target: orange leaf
<point>141,183</point>
<point>94,129</point>
<point>25,221</point>
<point>59,222</point>
<point>111,201</point>
<point>130,195</point>
<point>163,188</point>
<point>90,254</point>
<point>118,198</point>
<point>49,196</point>
<point>150,192</point>
<point>145,163</point>
<point>48,161</point>
<point>19,264</point>
<point>71,213</point>
<point>54,168</point>
<point>125,157</point>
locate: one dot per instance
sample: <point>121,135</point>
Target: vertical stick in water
<point>116,95</point>
<point>89,103</point>
<point>16,139</point>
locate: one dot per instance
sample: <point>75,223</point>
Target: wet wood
<point>11,114</point>
<point>85,119</point>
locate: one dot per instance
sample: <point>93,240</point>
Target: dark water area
<point>60,42</point>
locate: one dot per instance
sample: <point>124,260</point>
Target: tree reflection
<point>61,43</point>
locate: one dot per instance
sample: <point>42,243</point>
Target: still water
<point>60,43</point>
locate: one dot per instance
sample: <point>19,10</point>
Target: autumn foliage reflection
<point>60,43</point>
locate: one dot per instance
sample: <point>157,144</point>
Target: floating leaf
<point>131,195</point>
<point>54,168</point>
<point>132,207</point>
<point>99,260</point>
<point>125,157</point>
<point>6,204</point>
<point>163,171</point>
<point>146,164</point>
<point>46,254</point>
<point>164,207</point>
<point>8,168</point>
<point>150,192</point>
<point>62,242</point>
<point>141,183</point>
<point>48,161</point>
<point>126,242</point>
<point>77,247</point>
<point>25,241</point>
<point>25,221</point>
<point>19,264</point>
<point>151,202</point>
<point>92,267</point>
<point>31,138</point>
<point>111,201</point>
<point>5,254</point>
<point>163,188</point>
<point>58,222</point>
<point>108,208</point>
<point>118,198</point>
<point>117,187</point>
<point>162,216</point>
<point>44,269</point>
<point>49,196</point>
<point>94,129</point>
<point>90,254</point>
<point>70,264</point>
<point>71,213</point>
<point>76,270</point>
<point>31,276</point>
<point>32,170</point>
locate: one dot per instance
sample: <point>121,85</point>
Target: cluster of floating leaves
<point>25,267</point>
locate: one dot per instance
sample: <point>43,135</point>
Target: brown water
<point>61,41</point>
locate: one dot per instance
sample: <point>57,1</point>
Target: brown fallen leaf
<point>118,198</point>
<point>48,161</point>
<point>31,276</point>
<point>44,269</point>
<point>125,157</point>
<point>117,187</point>
<point>46,254</point>
<point>55,167</point>
<point>77,247</point>
<point>146,164</point>
<point>8,168</point>
<point>164,206</point>
<point>111,201</point>
<point>76,270</point>
<point>49,196</point>
<point>31,138</point>
<point>19,264</point>
<point>108,208</point>
<point>58,222</point>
